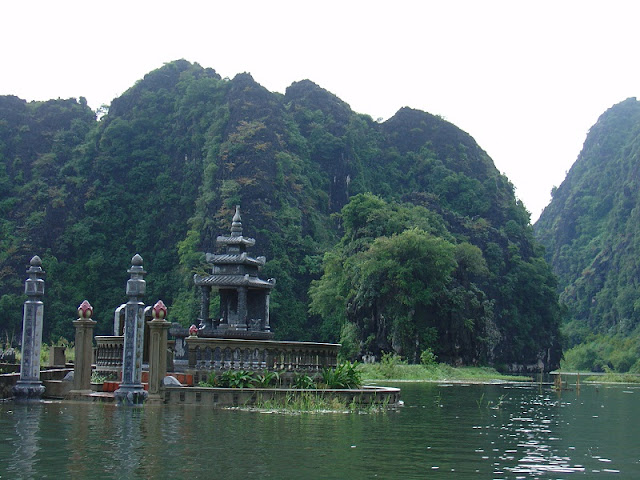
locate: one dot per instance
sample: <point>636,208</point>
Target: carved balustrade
<point>108,356</point>
<point>239,354</point>
<point>232,354</point>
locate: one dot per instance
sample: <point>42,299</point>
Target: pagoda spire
<point>236,223</point>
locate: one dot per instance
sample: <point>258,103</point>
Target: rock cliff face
<point>591,228</point>
<point>161,173</point>
<point>308,103</point>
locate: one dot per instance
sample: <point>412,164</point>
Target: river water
<point>442,431</point>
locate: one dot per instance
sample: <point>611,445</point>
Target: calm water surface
<point>443,431</point>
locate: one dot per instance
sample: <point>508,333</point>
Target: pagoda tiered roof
<point>235,240</point>
<point>233,281</point>
<point>235,259</point>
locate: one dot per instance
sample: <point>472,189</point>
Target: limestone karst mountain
<point>161,173</point>
<point>591,231</point>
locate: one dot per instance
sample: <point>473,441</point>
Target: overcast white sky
<point>526,79</point>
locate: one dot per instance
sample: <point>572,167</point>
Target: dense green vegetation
<point>591,231</point>
<point>414,240</point>
<point>344,375</point>
<point>404,279</point>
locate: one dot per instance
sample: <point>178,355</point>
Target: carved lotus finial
<point>159,311</point>
<point>85,310</point>
<point>136,261</point>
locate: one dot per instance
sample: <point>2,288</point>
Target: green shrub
<point>635,368</point>
<point>236,379</point>
<point>345,375</point>
<point>98,378</point>
<point>390,364</point>
<point>266,380</point>
<point>622,360</point>
<point>212,381</point>
<point>303,381</point>
<point>583,357</point>
<point>427,357</point>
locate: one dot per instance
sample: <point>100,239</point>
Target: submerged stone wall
<point>8,380</point>
<point>246,397</point>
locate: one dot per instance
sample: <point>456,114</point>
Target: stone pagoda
<point>244,297</point>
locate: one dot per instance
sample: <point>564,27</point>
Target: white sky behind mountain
<point>526,79</point>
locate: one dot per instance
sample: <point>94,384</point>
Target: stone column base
<point>28,390</point>
<point>131,395</point>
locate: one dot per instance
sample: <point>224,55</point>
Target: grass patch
<point>393,368</point>
<point>314,402</point>
<point>302,402</point>
<point>611,377</point>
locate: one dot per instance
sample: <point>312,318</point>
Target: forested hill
<point>591,231</point>
<point>407,234</point>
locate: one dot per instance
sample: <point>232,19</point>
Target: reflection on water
<point>444,431</point>
<point>26,445</point>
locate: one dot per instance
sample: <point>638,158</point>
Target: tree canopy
<point>400,281</point>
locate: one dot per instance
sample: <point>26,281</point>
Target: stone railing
<point>231,354</point>
<point>238,354</point>
<point>108,354</point>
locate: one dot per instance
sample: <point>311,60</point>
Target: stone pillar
<point>29,386</point>
<point>131,391</point>
<point>118,320</point>
<point>267,325</point>
<point>204,307</point>
<point>84,348</point>
<point>57,356</point>
<point>242,309</point>
<point>158,328</point>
